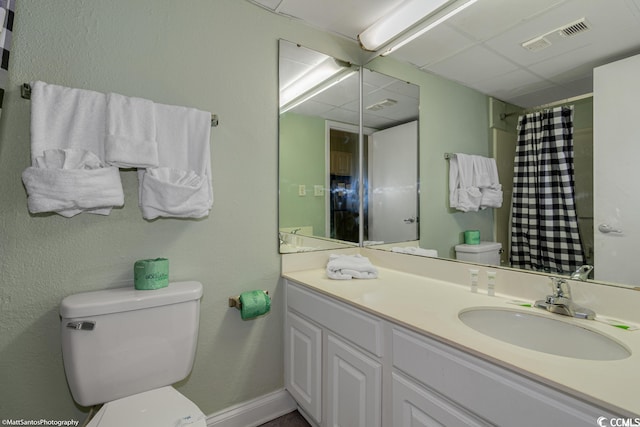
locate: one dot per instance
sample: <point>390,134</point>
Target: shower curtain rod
<point>549,105</point>
<point>25,93</point>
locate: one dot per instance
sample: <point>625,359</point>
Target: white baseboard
<point>254,412</point>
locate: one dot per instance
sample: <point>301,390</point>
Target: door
<point>615,163</point>
<point>393,184</point>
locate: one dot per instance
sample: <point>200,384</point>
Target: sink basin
<point>544,334</point>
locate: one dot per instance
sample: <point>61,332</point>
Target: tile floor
<point>293,419</point>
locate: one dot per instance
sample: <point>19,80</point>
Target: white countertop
<point>431,307</point>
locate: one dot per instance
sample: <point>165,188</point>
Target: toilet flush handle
<point>84,325</point>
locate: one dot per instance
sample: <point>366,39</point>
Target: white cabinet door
<point>354,387</point>
<point>415,406</point>
<point>303,364</point>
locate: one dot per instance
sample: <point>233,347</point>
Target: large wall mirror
<point>323,211</point>
<point>321,173</point>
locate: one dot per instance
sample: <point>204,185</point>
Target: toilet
<point>483,253</point>
<point>123,348</point>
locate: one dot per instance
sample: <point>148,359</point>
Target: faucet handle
<point>560,288</point>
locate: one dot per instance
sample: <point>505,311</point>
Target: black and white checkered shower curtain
<point>6,35</point>
<point>544,225</point>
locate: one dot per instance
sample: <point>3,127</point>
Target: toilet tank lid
<point>118,300</point>
<point>482,247</point>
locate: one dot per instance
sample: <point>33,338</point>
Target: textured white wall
<point>215,55</point>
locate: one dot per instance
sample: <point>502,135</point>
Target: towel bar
<point>25,92</point>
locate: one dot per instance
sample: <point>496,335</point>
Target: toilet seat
<point>162,407</point>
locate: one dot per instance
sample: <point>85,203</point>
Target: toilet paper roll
<point>472,237</point>
<point>254,304</point>
<point>149,274</point>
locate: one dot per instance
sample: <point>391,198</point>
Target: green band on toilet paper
<point>151,274</point>
<point>472,237</point>
<point>254,304</point>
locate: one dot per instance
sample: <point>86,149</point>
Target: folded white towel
<point>67,182</point>
<point>131,132</point>
<point>462,194</point>
<point>181,185</point>
<point>73,121</point>
<point>414,250</point>
<point>488,182</point>
<point>63,117</point>
<point>344,267</point>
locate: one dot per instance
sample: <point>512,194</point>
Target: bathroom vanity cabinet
<point>346,367</point>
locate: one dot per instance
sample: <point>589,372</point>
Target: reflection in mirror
<point>319,156</point>
<point>319,204</point>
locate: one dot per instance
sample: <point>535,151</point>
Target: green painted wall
<point>215,55</point>
<point>302,162</point>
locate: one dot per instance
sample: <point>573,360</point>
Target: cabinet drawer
<point>494,393</point>
<point>348,322</point>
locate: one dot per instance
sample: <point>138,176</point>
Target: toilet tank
<point>484,253</point>
<point>119,342</point>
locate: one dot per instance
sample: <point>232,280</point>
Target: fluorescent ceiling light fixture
<point>408,22</point>
<point>318,89</point>
<point>322,72</point>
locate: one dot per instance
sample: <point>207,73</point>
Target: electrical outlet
<point>302,190</point>
<point>318,190</point>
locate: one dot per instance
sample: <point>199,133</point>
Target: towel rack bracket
<point>25,91</point>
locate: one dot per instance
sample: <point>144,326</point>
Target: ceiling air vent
<point>574,28</point>
<point>536,44</point>
<point>382,104</point>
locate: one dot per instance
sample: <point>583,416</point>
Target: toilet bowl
<point>123,348</point>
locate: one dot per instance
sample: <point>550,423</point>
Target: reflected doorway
<point>343,218</point>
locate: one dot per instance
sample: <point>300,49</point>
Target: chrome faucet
<point>582,273</point>
<point>560,302</point>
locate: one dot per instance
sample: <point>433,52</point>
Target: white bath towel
<point>414,250</point>
<point>462,194</point>
<point>181,186</point>
<point>486,179</point>
<point>66,181</point>
<point>69,119</point>
<point>345,267</point>
<point>131,132</point>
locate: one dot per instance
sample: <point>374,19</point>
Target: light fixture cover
<point>402,18</point>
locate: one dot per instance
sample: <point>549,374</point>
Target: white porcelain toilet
<point>124,348</point>
<point>483,253</point>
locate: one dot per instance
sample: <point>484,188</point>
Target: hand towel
<point>65,118</point>
<point>488,182</point>
<point>65,182</point>
<point>414,250</point>
<point>131,132</point>
<point>462,194</point>
<point>345,267</point>
<point>181,185</point>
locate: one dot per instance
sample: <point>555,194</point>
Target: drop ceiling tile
<point>473,65</point>
<point>489,18</point>
<point>506,85</point>
<point>435,45</point>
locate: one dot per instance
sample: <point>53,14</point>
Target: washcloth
<point>414,250</point>
<point>344,267</point>
<point>65,182</point>
<point>181,185</point>
<point>69,119</point>
<point>131,132</point>
<point>462,194</point>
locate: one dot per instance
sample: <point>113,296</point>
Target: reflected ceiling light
<point>408,22</point>
<point>333,80</point>
<point>322,72</point>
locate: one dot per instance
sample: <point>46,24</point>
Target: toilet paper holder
<point>235,301</point>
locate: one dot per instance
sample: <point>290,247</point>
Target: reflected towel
<point>462,194</point>
<point>345,267</point>
<point>414,250</point>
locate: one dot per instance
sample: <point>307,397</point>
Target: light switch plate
<point>302,190</point>
<point>318,190</point>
